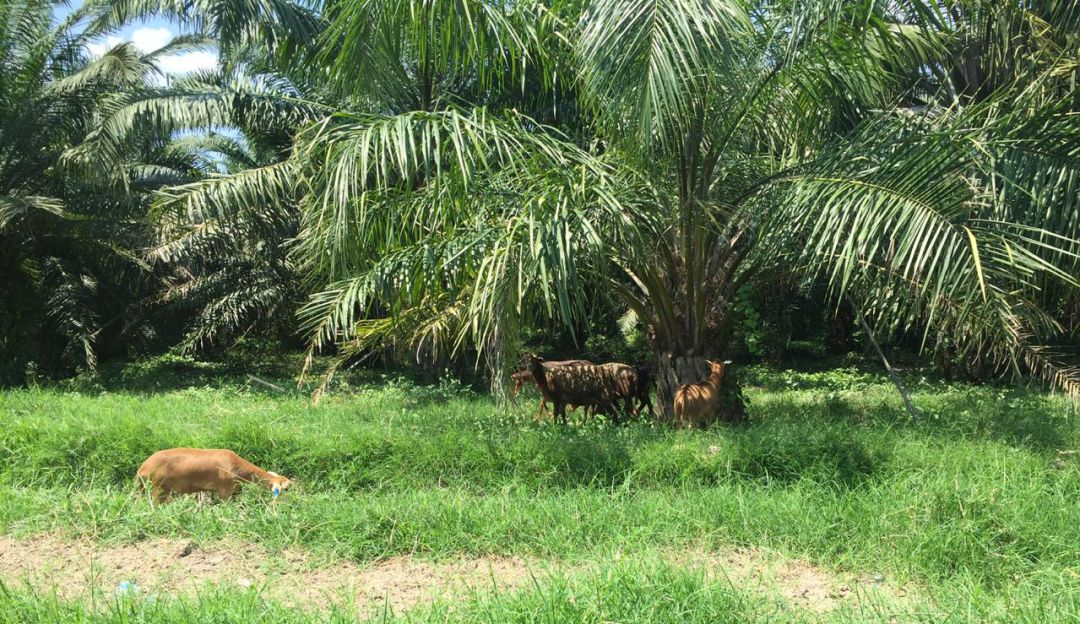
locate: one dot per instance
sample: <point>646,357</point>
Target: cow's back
<point>185,470</point>
<point>587,384</point>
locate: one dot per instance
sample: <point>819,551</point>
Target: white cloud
<point>188,62</point>
<point>150,39</point>
<point>99,48</point>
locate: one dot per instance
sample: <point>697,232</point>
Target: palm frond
<point>183,43</point>
<point>70,309</point>
<point>645,63</point>
<point>922,198</point>
<point>360,162</point>
<point>249,192</point>
<point>122,66</point>
<point>383,48</point>
<point>14,208</point>
<point>187,107</point>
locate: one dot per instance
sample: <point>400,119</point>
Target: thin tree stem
<point>892,374</point>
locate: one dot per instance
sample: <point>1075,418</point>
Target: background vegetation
<point>444,181</point>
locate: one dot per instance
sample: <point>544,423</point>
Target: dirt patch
<point>75,568</point>
<point>296,578</point>
<point>800,582</point>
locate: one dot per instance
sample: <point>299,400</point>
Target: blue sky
<point>149,35</point>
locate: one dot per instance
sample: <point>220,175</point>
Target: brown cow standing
<point>695,403</point>
<point>594,385</point>
<point>520,378</point>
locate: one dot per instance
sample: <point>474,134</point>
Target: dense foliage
<point>70,274</point>
<point>447,178</point>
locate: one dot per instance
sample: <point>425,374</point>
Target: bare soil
<point>295,578</point>
<point>799,582</point>
<point>170,566</point>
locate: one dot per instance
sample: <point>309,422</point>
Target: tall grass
<point>972,501</point>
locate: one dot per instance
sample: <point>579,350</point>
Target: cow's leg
<point>225,492</point>
<point>646,405</point>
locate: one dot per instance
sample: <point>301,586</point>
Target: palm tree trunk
<point>672,372</point>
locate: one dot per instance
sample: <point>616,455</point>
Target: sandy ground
<point>799,582</point>
<point>293,577</point>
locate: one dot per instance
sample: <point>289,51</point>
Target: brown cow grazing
<point>526,376</point>
<point>696,402</point>
<point>189,470</point>
<point>599,386</point>
<point>632,388</point>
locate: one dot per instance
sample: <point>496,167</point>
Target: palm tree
<point>229,278</point>
<point>223,275</point>
<point>71,278</point>
<point>202,214</point>
<point>685,146</point>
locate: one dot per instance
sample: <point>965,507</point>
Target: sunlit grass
<point>974,503</point>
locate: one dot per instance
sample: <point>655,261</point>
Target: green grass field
<point>969,513</point>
